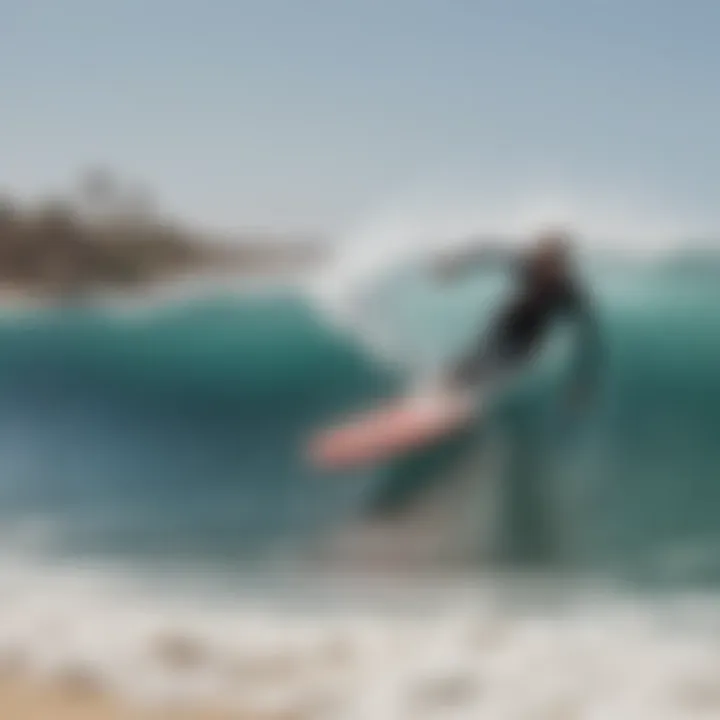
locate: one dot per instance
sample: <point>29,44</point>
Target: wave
<point>356,650</point>
<point>180,429</point>
<point>163,537</point>
<point>614,489</point>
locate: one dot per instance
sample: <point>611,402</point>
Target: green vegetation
<point>105,235</point>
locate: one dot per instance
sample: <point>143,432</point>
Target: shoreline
<point>22,698</point>
<point>464,656</point>
<point>16,297</point>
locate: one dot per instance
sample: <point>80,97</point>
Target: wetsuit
<point>519,328</point>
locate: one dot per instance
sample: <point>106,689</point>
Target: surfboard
<point>396,427</point>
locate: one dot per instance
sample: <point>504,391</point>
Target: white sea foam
<point>467,652</point>
<point>350,289</point>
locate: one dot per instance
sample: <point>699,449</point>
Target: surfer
<point>546,288</point>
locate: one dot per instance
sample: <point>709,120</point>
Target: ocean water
<point>163,533</point>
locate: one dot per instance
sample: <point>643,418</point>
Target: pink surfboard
<point>392,429</point>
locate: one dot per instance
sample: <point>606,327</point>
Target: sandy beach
<point>23,700</point>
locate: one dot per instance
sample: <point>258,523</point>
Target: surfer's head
<point>549,257</point>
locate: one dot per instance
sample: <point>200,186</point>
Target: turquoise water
<point>177,432</point>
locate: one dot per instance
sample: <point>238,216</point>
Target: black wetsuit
<point>519,328</point>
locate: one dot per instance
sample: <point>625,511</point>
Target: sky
<point>321,113</point>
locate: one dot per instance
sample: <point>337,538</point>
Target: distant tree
<point>139,204</point>
<point>98,187</point>
<point>8,212</point>
<point>109,233</point>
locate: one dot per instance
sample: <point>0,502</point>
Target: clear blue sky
<point>312,112</point>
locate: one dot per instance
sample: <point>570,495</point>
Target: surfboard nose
<point>382,434</point>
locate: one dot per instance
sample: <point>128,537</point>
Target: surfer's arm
<point>589,347</point>
<point>456,263</point>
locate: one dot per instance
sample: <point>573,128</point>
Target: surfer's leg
<point>475,367</point>
<point>481,362</point>
<point>486,363</point>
